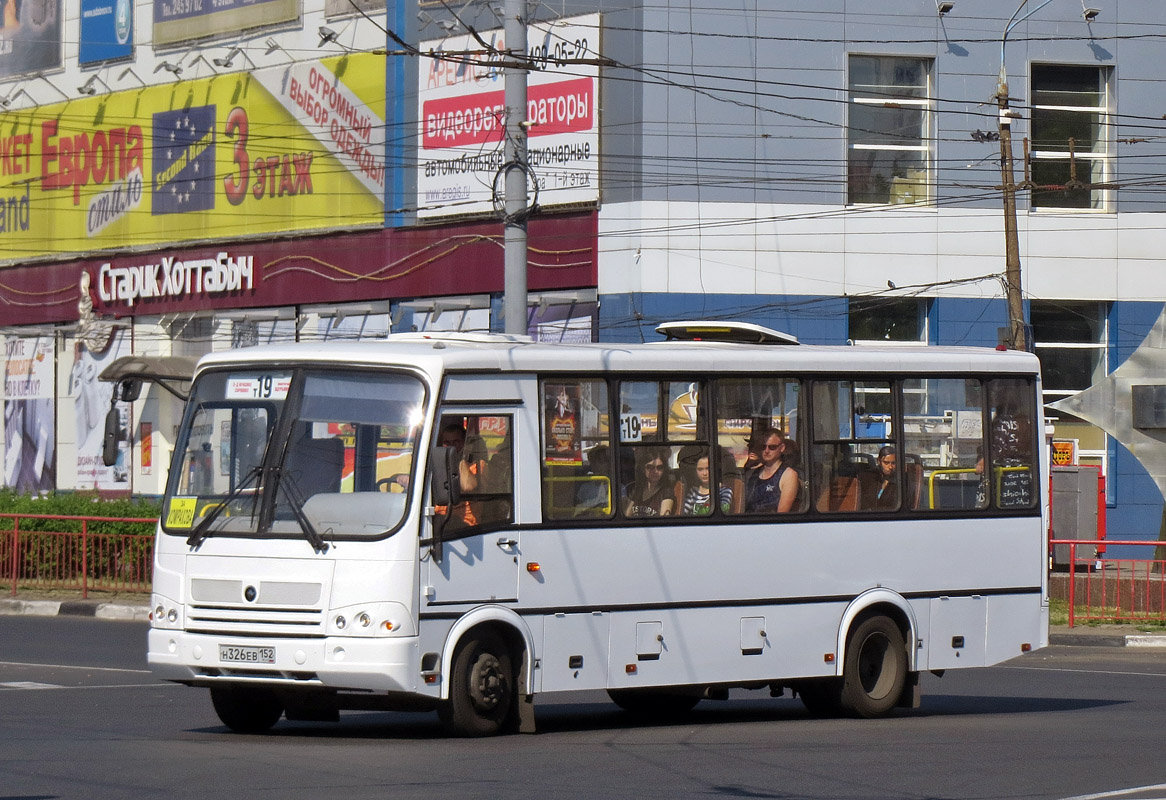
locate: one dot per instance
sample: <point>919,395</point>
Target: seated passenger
<point>698,498</point>
<point>650,495</point>
<point>773,485</point>
<point>887,489</point>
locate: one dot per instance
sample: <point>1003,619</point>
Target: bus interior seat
<point>731,476</point>
<point>841,495</point>
<point>913,480</point>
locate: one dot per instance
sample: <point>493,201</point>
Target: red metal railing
<point>1103,589</point>
<point>71,552</point>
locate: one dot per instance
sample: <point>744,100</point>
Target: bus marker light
<point>432,678</point>
<point>829,658</point>
<point>532,566</point>
<point>1026,647</point>
<point>630,669</point>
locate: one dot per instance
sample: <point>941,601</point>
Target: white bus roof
<point>451,352</point>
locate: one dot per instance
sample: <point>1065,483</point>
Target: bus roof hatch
<point>723,331</point>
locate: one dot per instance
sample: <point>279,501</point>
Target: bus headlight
<point>371,619</point>
<point>165,613</point>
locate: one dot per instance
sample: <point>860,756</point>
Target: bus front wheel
<point>875,670</point>
<point>246,710</point>
<point>481,691</point>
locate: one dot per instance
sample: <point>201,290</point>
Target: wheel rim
<point>487,683</point>
<point>876,667</point>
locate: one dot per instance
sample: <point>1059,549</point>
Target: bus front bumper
<point>388,664</point>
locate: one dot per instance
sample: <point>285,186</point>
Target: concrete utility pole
<point>1016,336</point>
<point>515,168</point>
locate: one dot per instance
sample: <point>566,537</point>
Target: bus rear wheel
<point>875,669</point>
<point>246,710</point>
<point>481,692</point>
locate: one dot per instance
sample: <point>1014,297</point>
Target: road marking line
<point>1118,793</point>
<point>73,666</point>
<point>41,687</point>
<point>28,685</point>
<point>1088,672</point>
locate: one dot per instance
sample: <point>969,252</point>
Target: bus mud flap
<point>525,699</point>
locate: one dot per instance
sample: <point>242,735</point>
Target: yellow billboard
<point>293,148</point>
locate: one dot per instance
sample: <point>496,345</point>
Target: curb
<point>75,608</point>
<point>1107,640</point>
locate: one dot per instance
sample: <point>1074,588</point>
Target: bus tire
<point>246,710</point>
<point>875,669</point>
<point>481,691</point>
<point>649,703</point>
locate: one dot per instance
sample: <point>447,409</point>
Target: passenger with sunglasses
<point>652,493</point>
<point>773,484</point>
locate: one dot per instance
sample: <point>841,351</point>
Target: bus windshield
<point>311,452</point>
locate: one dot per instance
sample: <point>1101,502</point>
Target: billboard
<point>107,30</point>
<point>90,398</point>
<point>461,126</point>
<point>30,36</point>
<point>29,425</point>
<point>183,20</point>
<point>293,148</point>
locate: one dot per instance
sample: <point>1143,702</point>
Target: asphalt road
<point>80,717</point>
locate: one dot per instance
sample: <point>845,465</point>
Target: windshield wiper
<point>203,530</point>
<point>295,498</point>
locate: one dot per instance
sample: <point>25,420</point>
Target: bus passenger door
<point>480,547</point>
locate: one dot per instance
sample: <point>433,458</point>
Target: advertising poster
<point>461,117</point>
<point>347,8</point>
<point>107,30</point>
<point>30,36</point>
<point>561,403</point>
<point>183,20</point>
<point>297,147</point>
<point>29,430</point>
<point>90,398</point>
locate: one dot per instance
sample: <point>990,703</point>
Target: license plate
<point>244,654</point>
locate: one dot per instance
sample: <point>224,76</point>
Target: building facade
<point>322,169</point>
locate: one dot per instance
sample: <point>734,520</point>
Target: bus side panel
<point>1011,621</point>
<point>574,652</point>
<point>722,645</point>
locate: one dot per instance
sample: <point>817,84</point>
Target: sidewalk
<point>129,607</point>
<point>134,607</point>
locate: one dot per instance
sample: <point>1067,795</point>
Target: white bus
<point>461,523</point>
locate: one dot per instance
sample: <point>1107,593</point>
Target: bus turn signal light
<point>828,658</point>
<point>532,566</point>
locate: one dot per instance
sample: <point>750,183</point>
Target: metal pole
<point>514,233</point>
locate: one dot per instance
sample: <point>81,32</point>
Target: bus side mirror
<point>446,479</point>
<point>127,390</point>
<point>110,445</point>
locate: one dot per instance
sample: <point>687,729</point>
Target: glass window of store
<point>1070,153</point>
<point>888,156</point>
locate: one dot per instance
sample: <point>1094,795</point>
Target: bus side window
<point>578,481</point>
<point>943,436</point>
<point>486,450</point>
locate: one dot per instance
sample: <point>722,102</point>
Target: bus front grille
<point>255,620</point>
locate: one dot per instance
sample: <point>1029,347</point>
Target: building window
<point>889,127</point>
<point>884,320</point>
<point>1070,340</point>
<point>1069,143</point>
